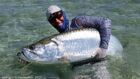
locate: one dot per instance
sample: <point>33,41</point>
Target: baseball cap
<point>52,9</point>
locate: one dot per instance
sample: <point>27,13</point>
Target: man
<point>57,18</point>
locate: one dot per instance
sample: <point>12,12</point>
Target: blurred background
<point>23,22</point>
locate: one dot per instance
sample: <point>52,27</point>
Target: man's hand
<point>100,53</point>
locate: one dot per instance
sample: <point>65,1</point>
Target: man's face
<point>57,19</point>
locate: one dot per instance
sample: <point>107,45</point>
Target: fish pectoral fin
<point>64,59</point>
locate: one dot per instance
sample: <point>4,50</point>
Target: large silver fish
<point>73,46</point>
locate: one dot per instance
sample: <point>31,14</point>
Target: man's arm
<point>103,25</point>
<point>105,32</point>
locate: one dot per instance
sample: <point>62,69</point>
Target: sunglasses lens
<point>59,14</point>
<point>55,15</point>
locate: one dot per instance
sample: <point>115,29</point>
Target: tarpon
<point>75,46</point>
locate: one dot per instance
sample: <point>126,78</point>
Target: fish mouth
<point>21,58</point>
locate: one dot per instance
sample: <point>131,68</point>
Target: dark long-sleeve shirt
<point>103,25</point>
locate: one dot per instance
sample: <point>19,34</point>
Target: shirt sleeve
<point>103,25</point>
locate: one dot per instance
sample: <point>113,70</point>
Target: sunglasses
<point>55,15</point>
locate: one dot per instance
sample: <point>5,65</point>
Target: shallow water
<point>23,22</point>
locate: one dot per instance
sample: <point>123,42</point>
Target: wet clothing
<point>103,25</point>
